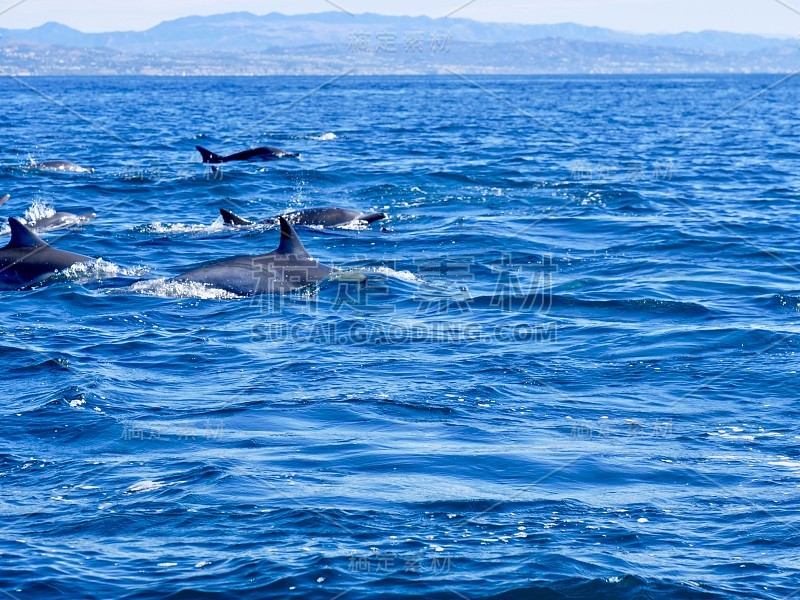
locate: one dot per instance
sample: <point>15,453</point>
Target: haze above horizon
<point>765,17</point>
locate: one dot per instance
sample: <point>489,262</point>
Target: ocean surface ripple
<point>571,371</point>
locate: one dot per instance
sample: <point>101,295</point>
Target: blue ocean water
<point>571,372</point>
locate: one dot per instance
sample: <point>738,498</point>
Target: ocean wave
<point>409,427</point>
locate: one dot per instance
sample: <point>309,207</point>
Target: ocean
<point>570,372</point>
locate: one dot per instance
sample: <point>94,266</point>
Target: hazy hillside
<point>243,43</point>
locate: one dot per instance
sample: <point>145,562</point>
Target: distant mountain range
<point>327,43</point>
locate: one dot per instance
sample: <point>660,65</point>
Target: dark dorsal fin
<point>22,237</point>
<point>290,243</point>
<point>233,219</point>
<point>209,156</point>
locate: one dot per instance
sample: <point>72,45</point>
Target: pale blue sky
<point>774,17</point>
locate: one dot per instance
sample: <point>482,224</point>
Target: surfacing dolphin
<point>59,220</point>
<point>60,166</point>
<point>324,216</point>
<point>263,153</point>
<point>27,260</point>
<point>287,268</point>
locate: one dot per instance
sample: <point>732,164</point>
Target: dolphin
<point>27,260</point>
<point>263,153</point>
<point>287,268</point>
<point>59,220</point>
<point>63,166</point>
<point>325,216</point>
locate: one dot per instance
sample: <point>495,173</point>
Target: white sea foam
<point>349,275</point>
<point>100,269</point>
<point>37,211</point>
<point>145,486</point>
<point>167,288</point>
<point>402,275</point>
<point>785,462</point>
<point>354,225</point>
<point>180,228</point>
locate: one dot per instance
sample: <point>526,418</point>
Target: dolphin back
<point>285,269</point>
<point>27,260</point>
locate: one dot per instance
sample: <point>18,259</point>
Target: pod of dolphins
<point>28,260</point>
